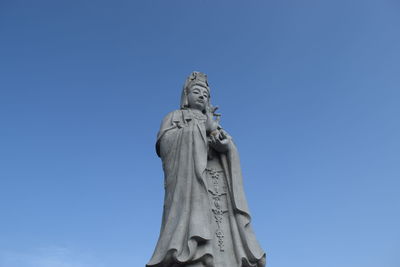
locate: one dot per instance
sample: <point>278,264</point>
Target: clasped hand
<point>219,141</point>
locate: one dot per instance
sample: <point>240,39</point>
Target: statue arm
<point>167,134</point>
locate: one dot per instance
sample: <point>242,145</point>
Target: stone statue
<point>206,221</point>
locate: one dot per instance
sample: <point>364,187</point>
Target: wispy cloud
<point>47,257</point>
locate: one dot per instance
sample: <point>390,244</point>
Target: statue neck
<point>197,113</point>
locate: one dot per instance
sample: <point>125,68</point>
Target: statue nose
<point>201,97</point>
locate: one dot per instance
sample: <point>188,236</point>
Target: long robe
<point>186,235</point>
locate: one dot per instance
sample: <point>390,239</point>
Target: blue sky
<point>309,90</point>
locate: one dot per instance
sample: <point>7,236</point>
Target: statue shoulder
<point>171,117</point>
<point>172,114</point>
<point>177,117</point>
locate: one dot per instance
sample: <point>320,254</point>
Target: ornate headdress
<point>195,78</point>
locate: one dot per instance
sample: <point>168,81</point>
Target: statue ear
<point>184,99</point>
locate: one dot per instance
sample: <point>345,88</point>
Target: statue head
<point>196,92</point>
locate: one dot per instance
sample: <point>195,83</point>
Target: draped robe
<point>185,233</point>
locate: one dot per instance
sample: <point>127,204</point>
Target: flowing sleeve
<point>165,137</point>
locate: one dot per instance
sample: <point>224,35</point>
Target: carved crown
<point>197,78</point>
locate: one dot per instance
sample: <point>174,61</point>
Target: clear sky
<point>309,90</point>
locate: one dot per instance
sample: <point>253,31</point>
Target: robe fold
<point>186,235</point>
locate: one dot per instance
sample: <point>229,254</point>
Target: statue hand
<point>219,141</point>
<point>211,124</point>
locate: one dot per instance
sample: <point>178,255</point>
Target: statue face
<point>198,97</point>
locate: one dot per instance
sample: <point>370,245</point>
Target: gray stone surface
<point>206,221</point>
